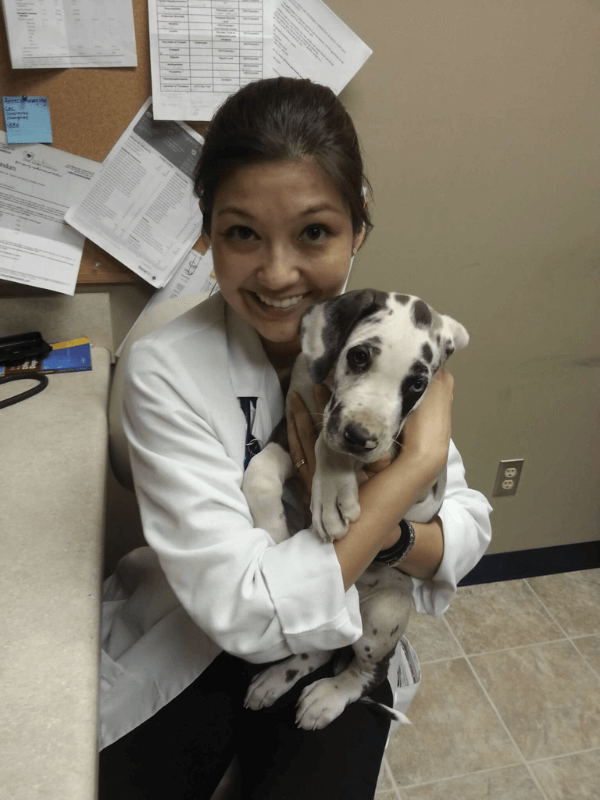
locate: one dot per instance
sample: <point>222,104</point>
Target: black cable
<point>32,376</point>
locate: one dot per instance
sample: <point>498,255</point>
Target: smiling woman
<point>192,619</point>
<point>283,196</point>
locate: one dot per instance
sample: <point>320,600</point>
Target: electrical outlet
<point>507,477</point>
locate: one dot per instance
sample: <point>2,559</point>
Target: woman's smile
<point>283,303</point>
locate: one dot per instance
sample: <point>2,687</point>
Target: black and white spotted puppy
<point>377,352</point>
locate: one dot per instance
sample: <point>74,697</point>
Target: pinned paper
<point>27,120</point>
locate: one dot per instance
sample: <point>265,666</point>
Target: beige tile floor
<point>509,703</point>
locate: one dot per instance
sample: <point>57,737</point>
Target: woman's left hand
<point>303,431</point>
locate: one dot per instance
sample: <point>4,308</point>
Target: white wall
<point>480,121</point>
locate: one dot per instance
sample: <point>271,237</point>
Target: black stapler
<point>21,347</point>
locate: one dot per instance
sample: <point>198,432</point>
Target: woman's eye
<point>358,357</point>
<point>240,233</point>
<point>315,233</point>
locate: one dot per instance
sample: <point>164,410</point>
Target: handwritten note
<point>27,120</point>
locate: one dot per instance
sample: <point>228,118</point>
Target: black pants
<point>182,752</point>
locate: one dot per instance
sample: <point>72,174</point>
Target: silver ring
<point>300,463</point>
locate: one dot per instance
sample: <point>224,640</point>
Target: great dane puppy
<point>377,352</point>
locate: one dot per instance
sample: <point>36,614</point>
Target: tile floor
<point>509,704</point>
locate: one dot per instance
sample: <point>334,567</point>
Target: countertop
<point>54,457</point>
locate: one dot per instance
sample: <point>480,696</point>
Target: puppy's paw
<point>269,685</point>
<point>272,683</point>
<point>263,486</point>
<point>319,704</point>
<point>334,505</point>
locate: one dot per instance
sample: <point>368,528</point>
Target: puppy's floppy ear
<point>454,337</point>
<point>327,325</point>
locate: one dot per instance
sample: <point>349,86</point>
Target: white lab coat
<point>227,585</point>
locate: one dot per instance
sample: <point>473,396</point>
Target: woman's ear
<point>359,239</point>
<point>360,236</point>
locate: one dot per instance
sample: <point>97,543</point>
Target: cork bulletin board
<point>89,110</point>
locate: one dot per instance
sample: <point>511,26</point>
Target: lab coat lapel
<point>252,375</point>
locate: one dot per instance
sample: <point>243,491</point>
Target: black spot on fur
<point>449,350</point>
<point>374,631</point>
<point>419,368</point>
<point>380,672</point>
<point>394,630</point>
<point>409,396</point>
<point>378,675</point>
<point>304,656</point>
<point>342,314</point>
<point>421,314</point>
<point>438,339</point>
<point>369,655</point>
<point>290,674</point>
<point>367,648</point>
<point>310,669</point>
<point>427,352</point>
<point>402,299</point>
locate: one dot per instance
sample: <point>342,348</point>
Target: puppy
<point>377,352</point>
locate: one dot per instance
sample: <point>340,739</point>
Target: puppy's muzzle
<point>358,441</point>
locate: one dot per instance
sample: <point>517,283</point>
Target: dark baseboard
<point>532,563</point>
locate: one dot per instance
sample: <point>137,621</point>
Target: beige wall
<point>480,121</point>
<point>481,127</point>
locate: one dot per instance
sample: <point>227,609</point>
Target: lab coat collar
<point>252,374</point>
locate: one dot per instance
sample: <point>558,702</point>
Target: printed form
<point>37,185</point>
<point>310,41</point>
<point>204,50</point>
<point>141,207</point>
<point>193,277</point>
<point>70,33</point>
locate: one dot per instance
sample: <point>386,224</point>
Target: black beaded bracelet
<point>397,553</point>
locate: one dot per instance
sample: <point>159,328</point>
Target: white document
<point>70,33</point>
<point>202,51</point>
<point>310,41</point>
<point>194,276</point>
<point>141,207</point>
<point>37,185</point>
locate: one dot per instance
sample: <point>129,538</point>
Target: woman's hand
<point>425,436</point>
<point>303,431</point>
<point>426,433</point>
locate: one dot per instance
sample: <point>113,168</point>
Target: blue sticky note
<point>27,120</point>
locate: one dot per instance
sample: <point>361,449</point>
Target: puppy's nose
<point>359,438</point>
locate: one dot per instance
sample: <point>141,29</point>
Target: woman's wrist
<point>393,556</point>
<point>424,468</point>
<point>425,557</point>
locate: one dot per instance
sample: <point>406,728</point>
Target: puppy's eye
<point>417,386</point>
<point>358,357</point>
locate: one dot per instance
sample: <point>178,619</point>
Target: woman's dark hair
<point>282,119</point>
